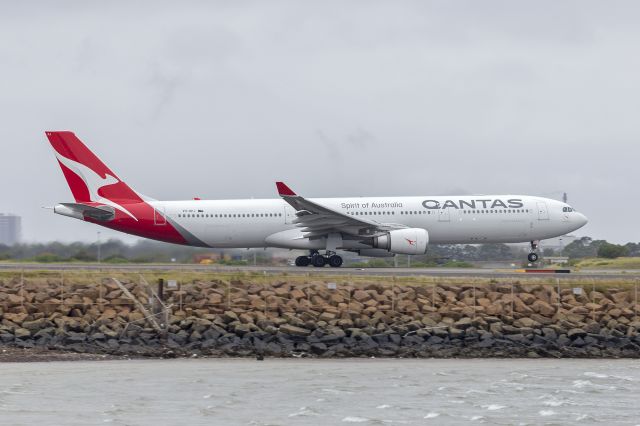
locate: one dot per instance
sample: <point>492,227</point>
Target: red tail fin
<point>89,178</point>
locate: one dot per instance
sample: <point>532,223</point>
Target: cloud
<point>220,99</point>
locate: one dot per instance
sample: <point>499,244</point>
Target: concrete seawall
<point>250,317</point>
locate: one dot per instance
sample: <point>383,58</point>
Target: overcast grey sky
<point>220,99</point>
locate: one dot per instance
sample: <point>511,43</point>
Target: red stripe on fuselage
<point>145,226</point>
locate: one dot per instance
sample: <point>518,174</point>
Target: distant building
<point>9,229</point>
<point>206,258</point>
<point>556,260</point>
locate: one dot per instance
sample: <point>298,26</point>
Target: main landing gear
<point>318,260</point>
<point>533,256</point>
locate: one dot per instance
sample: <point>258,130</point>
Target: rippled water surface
<point>321,392</point>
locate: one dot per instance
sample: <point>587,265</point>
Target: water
<point>321,392</point>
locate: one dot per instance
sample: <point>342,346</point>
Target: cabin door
<point>543,212</point>
<point>158,217</point>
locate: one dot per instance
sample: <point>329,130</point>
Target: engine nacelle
<point>403,241</point>
<point>375,253</point>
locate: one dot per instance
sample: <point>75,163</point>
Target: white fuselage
<point>448,219</point>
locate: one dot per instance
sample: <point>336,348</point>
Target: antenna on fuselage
<point>564,197</point>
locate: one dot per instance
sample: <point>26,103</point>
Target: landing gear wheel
<point>335,261</point>
<point>303,261</point>
<point>533,257</point>
<point>318,261</point>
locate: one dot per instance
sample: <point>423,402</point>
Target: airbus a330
<point>370,226</point>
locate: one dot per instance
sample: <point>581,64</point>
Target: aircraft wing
<point>317,220</point>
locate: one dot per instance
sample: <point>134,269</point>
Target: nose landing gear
<point>533,256</point>
<point>318,260</point>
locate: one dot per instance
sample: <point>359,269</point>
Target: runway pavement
<point>292,270</point>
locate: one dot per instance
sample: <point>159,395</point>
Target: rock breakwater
<point>281,318</point>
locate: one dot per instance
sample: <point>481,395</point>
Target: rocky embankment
<point>220,318</point>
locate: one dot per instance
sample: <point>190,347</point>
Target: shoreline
<point>45,318</point>
<point>11,354</point>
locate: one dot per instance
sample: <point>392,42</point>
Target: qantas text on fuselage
<point>435,204</point>
<point>370,226</point>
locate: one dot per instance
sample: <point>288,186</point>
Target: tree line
<point>144,251</point>
<point>587,247</point>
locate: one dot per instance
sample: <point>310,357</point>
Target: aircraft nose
<point>582,219</point>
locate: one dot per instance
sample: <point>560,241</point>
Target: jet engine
<point>403,241</point>
<point>375,253</point>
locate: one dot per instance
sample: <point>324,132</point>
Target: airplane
<point>369,226</point>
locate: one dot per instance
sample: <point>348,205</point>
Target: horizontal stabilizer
<point>83,211</point>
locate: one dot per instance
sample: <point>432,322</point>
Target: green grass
<point>257,277</point>
<point>601,263</point>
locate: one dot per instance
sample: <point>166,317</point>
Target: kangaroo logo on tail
<point>94,182</point>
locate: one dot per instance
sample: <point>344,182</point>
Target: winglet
<point>284,190</point>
